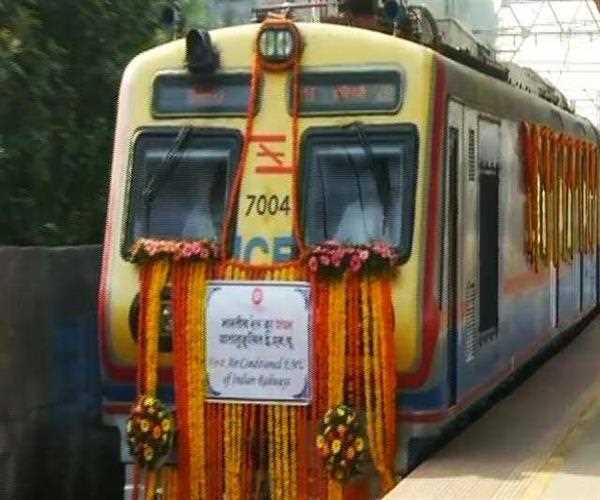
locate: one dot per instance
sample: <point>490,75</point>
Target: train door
<point>478,349</point>
<point>450,261</point>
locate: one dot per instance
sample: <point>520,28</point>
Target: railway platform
<point>540,442</point>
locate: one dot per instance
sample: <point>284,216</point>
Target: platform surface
<point>541,442</point>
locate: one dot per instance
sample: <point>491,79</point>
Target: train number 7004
<point>271,205</point>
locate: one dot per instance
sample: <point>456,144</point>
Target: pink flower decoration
<point>337,257</point>
<point>355,263</point>
<point>176,249</point>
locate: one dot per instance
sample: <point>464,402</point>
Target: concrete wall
<point>51,441</point>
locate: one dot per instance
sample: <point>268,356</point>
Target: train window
<point>359,185</point>
<point>179,185</point>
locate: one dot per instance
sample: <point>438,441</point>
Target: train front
<point>265,261</point>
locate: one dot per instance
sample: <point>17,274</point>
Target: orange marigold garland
<point>389,375</point>
<point>150,448</point>
<point>561,179</point>
<point>189,291</point>
<point>385,403</point>
<point>234,447</point>
<point>375,397</point>
<point>196,363</point>
<point>355,342</point>
<point>181,278</point>
<point>360,346</point>
<point>150,431</point>
<point>341,443</point>
<point>337,344</point>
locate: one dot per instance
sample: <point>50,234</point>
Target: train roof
<point>527,92</point>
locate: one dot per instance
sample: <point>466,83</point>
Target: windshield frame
<point>205,132</point>
<point>352,132</point>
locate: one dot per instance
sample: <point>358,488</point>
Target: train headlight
<point>278,45</point>
<point>166,320</point>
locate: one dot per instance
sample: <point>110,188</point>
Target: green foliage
<point>197,15</point>
<point>217,13</point>
<point>60,67</point>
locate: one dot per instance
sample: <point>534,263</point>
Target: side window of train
<point>359,185</point>
<point>179,184</point>
<point>489,187</point>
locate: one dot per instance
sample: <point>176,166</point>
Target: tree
<point>217,13</point>
<point>197,15</point>
<point>60,67</point>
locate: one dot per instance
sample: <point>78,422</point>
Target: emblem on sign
<point>258,354</point>
<point>257,296</point>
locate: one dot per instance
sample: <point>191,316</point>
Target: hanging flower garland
<point>332,257</point>
<point>562,183</point>
<point>150,432</point>
<point>150,437</point>
<point>359,368</point>
<point>341,443</point>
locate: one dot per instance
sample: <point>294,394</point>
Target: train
<point>327,241</point>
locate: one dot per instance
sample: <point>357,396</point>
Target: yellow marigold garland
<point>373,336</point>
<point>234,445</point>
<point>337,339</point>
<point>562,195</point>
<point>196,363</point>
<point>282,430</point>
<point>153,279</point>
<point>159,272</point>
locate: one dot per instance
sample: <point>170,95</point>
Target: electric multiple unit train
<point>485,193</point>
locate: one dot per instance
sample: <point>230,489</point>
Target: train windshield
<point>359,185</point>
<point>179,184</point>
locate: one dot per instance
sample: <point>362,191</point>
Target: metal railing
<point>316,10</point>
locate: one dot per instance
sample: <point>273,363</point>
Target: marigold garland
<point>150,431</point>
<point>341,443</point>
<point>561,178</point>
<point>148,453</point>
<point>355,361</point>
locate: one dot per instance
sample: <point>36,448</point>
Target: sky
<point>572,62</point>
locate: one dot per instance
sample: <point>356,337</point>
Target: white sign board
<point>258,341</point>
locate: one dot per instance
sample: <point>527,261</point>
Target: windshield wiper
<point>167,167</point>
<point>379,173</point>
<point>165,171</point>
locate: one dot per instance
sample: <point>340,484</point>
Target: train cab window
<point>179,184</point>
<point>359,185</point>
